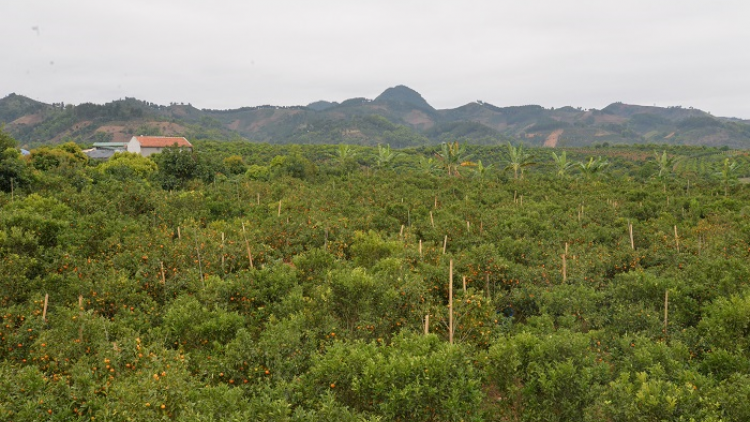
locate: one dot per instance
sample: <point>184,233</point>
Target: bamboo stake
<point>247,245</point>
<point>198,254</point>
<point>179,235</point>
<point>163,277</point>
<point>46,302</point>
<point>515,195</point>
<point>278,214</point>
<point>564,267</point>
<point>401,233</point>
<point>676,238</point>
<point>426,324</point>
<point>432,220</point>
<point>630,230</point>
<point>257,199</point>
<point>468,227</point>
<point>420,248</point>
<point>222,253</point>
<point>450,303</point>
<point>666,312</point>
<point>487,285</point>
<point>435,201</point>
<point>464,280</point>
<point>80,317</point>
<point>445,243</point>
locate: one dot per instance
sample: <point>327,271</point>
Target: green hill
<point>400,116</point>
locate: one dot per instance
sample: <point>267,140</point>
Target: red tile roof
<point>162,141</point>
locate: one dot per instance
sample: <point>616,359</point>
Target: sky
<point>225,54</point>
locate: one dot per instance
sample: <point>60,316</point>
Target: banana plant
<point>665,164</point>
<point>452,156</point>
<point>593,167</point>
<point>518,160</point>
<point>562,165</point>
<point>727,173</point>
<point>385,156</point>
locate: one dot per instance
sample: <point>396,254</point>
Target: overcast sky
<point>232,53</point>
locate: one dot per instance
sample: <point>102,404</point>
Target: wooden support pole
<point>222,254</point>
<point>464,281</point>
<point>630,231</point>
<point>401,233</point>
<point>80,317</point>
<point>427,324</point>
<point>445,244</point>
<point>163,277</point>
<point>435,201</point>
<point>257,199</point>
<point>278,214</point>
<point>450,303</point>
<point>247,246</point>
<point>676,238</point>
<point>666,312</point>
<point>487,285</point>
<point>198,254</point>
<point>468,227</point>
<point>179,235</point>
<point>432,220</point>
<point>46,302</point>
<point>420,248</point>
<point>565,267</point>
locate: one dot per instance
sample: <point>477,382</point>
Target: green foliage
<point>126,166</point>
<point>415,378</point>
<point>518,160</point>
<point>176,168</point>
<point>300,290</point>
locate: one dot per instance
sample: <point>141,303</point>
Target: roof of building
<point>111,145</point>
<point>162,141</point>
<point>100,153</point>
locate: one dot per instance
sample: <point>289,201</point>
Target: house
<point>147,145</point>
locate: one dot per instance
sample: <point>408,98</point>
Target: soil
<point>551,140</point>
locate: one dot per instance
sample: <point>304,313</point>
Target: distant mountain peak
<point>404,94</point>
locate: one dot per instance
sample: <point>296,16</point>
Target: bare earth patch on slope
<point>551,140</point>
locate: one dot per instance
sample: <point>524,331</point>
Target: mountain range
<point>399,116</point>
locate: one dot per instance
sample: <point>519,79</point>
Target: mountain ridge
<point>399,116</point>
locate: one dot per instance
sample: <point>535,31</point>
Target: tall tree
<point>593,167</point>
<point>518,160</point>
<point>727,173</point>
<point>665,164</point>
<point>562,165</point>
<point>386,156</point>
<point>451,155</point>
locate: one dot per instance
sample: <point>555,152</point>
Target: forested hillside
<point>447,283</point>
<point>400,117</point>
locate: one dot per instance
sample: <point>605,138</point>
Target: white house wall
<point>134,146</point>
